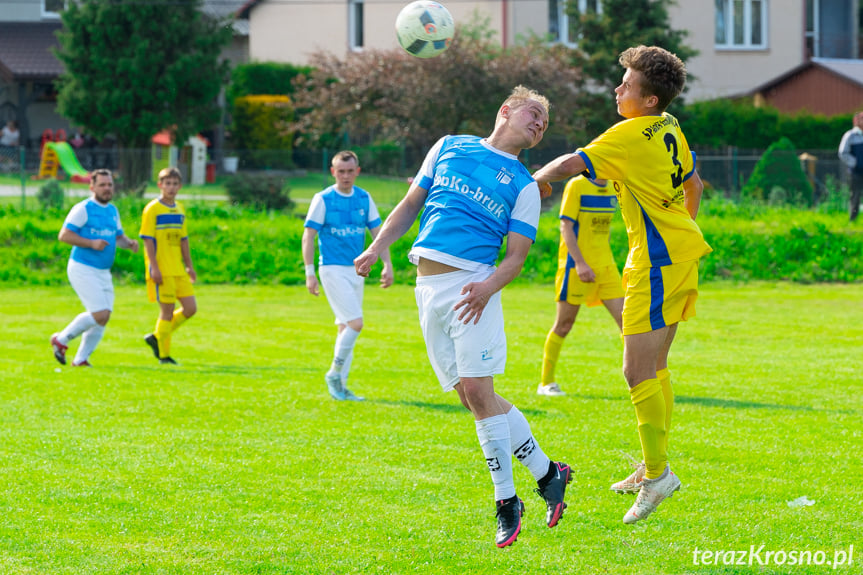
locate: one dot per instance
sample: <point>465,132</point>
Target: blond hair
<point>345,156</point>
<point>521,95</point>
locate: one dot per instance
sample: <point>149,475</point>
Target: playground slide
<point>68,161</point>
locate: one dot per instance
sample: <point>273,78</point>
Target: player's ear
<point>505,111</point>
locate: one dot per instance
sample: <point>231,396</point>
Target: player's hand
<point>98,245</point>
<point>476,298</point>
<point>585,273</point>
<point>544,189</point>
<point>312,285</point>
<point>193,275</point>
<point>156,275</point>
<point>133,245</point>
<point>387,276</point>
<point>364,262</point>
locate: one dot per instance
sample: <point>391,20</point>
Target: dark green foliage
<point>778,178</point>
<point>231,244</point>
<point>385,158</point>
<point>51,195</point>
<point>259,191</point>
<point>262,131</point>
<point>135,68</point>
<point>257,78</point>
<point>602,38</point>
<point>727,122</point>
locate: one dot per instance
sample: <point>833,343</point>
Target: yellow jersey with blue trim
<point>166,226</point>
<point>590,206</point>
<point>651,159</point>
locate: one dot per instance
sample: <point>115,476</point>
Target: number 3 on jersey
<point>671,146</point>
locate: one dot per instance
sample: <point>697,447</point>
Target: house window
<point>561,25</point>
<point>355,25</point>
<point>812,24</point>
<point>52,8</point>
<point>741,24</point>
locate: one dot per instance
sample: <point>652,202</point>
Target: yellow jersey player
<point>586,272</point>
<point>170,273</point>
<point>659,197</point>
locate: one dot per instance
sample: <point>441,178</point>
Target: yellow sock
<point>650,410</point>
<point>178,319</point>
<point>664,377</point>
<point>163,335</point>
<point>550,354</point>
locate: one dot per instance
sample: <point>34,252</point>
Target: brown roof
<point>26,51</point>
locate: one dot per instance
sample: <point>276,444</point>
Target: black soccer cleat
<point>150,339</point>
<point>552,488</point>
<point>167,360</point>
<point>509,512</point>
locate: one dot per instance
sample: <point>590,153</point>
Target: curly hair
<point>664,73</point>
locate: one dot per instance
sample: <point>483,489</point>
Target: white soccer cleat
<point>652,493</point>
<point>552,390</point>
<point>632,483</point>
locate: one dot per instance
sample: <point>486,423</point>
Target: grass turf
<point>238,462</point>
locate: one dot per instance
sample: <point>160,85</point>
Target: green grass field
<point>237,462</point>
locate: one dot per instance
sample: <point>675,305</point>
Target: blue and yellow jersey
<point>651,159</point>
<point>590,206</point>
<point>166,225</point>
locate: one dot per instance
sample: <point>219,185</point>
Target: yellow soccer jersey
<point>166,225</point>
<point>651,159</point>
<point>591,207</point>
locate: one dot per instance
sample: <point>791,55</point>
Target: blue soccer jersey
<point>476,196</point>
<point>92,220</point>
<point>341,221</point>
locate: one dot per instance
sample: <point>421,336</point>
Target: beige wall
<point>733,72</point>
<point>290,32</point>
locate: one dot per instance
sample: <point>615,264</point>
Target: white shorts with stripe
<point>457,350</point>
<point>344,291</point>
<point>94,286</point>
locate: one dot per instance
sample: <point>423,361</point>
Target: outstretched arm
<point>397,224</point>
<point>477,294</point>
<point>560,168</point>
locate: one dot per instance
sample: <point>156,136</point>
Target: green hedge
<point>235,245</point>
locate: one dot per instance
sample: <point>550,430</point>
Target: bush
<point>259,191</point>
<point>51,195</point>
<point>262,127</point>
<point>778,178</point>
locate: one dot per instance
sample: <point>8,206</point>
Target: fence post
<point>22,154</point>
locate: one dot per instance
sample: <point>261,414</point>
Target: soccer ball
<point>424,28</point>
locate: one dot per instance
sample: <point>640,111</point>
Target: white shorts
<point>457,350</point>
<point>344,290</point>
<point>94,287</point>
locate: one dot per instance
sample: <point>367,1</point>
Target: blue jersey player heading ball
<point>473,193</point>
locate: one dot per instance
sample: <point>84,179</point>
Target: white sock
<point>524,446</point>
<point>76,327</point>
<point>89,341</point>
<point>493,434</point>
<point>346,368</point>
<point>344,346</point>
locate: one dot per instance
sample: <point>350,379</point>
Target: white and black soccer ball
<point>425,28</point>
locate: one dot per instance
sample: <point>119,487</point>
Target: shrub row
<point>235,245</point>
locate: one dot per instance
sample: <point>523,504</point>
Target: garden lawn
<point>238,462</point>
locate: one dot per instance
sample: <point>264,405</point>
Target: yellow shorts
<point>576,292</point>
<point>658,297</point>
<point>171,289</point>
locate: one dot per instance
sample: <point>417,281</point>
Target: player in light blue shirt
<point>94,231</point>
<point>473,193</point>
<point>339,217</point>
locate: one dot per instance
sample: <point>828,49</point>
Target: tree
<point>388,95</point>
<point>135,68</point>
<point>601,39</point>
